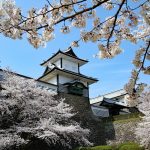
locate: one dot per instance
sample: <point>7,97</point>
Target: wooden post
<point>57,83</point>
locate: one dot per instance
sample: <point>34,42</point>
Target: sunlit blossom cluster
<point>118,26</point>
<point>114,49</point>
<point>75,44</point>
<point>132,87</point>
<point>108,5</point>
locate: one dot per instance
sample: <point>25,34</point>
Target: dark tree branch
<point>49,3</point>
<point>37,15</point>
<point>142,64</point>
<point>114,24</point>
<point>77,13</point>
<point>147,1</point>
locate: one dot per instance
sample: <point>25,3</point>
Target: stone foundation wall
<point>101,133</point>
<point>124,131</point>
<point>85,116</point>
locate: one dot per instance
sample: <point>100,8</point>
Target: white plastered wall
<point>47,86</point>
<point>52,80</point>
<point>68,65</point>
<point>57,63</point>
<point>63,79</point>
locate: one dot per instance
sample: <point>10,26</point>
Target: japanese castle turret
<point>62,71</point>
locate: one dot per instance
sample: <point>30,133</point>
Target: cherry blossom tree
<point>130,20</point>
<point>143,128</point>
<point>29,114</point>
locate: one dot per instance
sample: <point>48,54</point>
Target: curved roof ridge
<point>70,52</point>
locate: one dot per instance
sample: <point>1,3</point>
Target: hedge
<point>123,146</point>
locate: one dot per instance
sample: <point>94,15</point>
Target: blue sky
<point>21,57</point>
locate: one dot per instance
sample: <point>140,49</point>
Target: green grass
<point>96,148</point>
<point>127,120</point>
<point>123,118</point>
<point>129,146</point>
<point>123,146</point>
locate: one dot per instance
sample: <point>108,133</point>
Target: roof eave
<point>81,60</point>
<point>93,80</point>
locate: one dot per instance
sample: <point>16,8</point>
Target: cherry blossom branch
<point>37,15</point>
<point>133,91</point>
<point>49,3</point>
<point>147,1</point>
<point>77,13</point>
<point>142,63</point>
<point>114,24</point>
